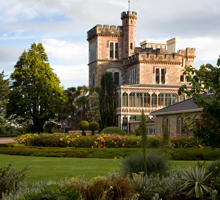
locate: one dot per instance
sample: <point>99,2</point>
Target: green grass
<point>50,168</point>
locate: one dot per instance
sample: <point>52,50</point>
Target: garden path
<point>6,140</point>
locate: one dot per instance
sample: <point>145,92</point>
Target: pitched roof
<point>181,107</point>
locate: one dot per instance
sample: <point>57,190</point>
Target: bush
<point>93,126</point>
<point>156,164</point>
<point>214,167</point>
<point>107,188</point>
<point>10,179</point>
<point>83,125</point>
<point>184,142</point>
<point>55,192</point>
<point>113,129</point>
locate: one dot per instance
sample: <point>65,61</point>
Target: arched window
<point>124,99</point>
<point>93,80</point>
<point>146,99</point>
<point>154,100</point>
<point>179,125</point>
<point>132,99</point>
<point>165,123</point>
<point>139,100</point>
<point>116,78</point>
<point>116,73</point>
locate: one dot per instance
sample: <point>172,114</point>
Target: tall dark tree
<point>35,89</point>
<point>107,99</point>
<point>4,91</point>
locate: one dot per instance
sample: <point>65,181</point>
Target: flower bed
<point>101,141</point>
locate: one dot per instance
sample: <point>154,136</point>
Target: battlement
<point>105,30</point>
<point>152,57</point>
<point>188,52</point>
<point>129,14</point>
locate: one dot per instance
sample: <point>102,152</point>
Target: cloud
<point>66,51</point>
<point>71,75</point>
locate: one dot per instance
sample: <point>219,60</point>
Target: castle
<point>147,77</point>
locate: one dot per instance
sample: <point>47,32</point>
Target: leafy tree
<point>4,92</point>
<point>93,113</point>
<point>207,79</point>
<point>83,125</point>
<point>107,99</point>
<point>35,89</point>
<point>93,126</point>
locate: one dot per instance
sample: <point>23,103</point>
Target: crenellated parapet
<point>129,14</point>
<point>155,58</point>
<point>188,52</point>
<point>105,30</point>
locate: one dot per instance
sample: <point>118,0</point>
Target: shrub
<point>156,164</point>
<point>184,142</point>
<point>10,179</point>
<point>214,167</point>
<point>113,129</point>
<point>152,186</point>
<point>83,125</point>
<point>93,126</point>
<point>195,181</point>
<point>107,188</point>
<point>55,192</point>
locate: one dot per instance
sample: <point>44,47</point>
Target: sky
<point>62,25</point>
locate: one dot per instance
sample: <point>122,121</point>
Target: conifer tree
<point>144,139</point>
<point>35,89</point>
<point>4,91</point>
<point>107,99</point>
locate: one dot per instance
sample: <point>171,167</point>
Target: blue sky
<point>62,25</point>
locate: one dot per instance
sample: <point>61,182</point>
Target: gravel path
<point>6,140</point>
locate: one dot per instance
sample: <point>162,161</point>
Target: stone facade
<point>175,122</point>
<point>148,77</point>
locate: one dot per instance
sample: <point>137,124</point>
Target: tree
<point>35,89</point>
<point>93,113</point>
<point>144,139</point>
<point>206,79</point>
<point>4,91</point>
<point>107,99</point>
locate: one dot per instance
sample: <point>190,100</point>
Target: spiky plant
<point>194,181</point>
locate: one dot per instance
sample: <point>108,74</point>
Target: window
<point>126,49</point>
<point>165,122</point>
<point>93,80</point>
<point>116,78</point>
<point>132,99</point>
<point>182,78</point>
<point>146,100</point>
<point>113,50</point>
<point>167,99</point>
<point>180,129</point>
<point>133,76</point>
<point>154,100</point>
<point>131,46</point>
<point>160,75</point>
<point>139,100</point>
<point>124,100</point>
<point>151,130</point>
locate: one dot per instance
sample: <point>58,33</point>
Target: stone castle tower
<point>148,77</point>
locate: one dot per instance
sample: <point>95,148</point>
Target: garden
<point>108,166</point>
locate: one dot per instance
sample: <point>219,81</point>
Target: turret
<point>129,20</point>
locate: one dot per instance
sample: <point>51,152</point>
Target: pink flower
<point>158,135</point>
<point>104,147</point>
<point>123,145</point>
<point>152,133</point>
<point>128,138</point>
<point>177,135</point>
<point>112,141</point>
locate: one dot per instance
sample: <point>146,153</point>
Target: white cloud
<point>72,76</point>
<point>207,48</point>
<point>66,51</point>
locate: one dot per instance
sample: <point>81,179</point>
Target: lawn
<point>56,168</point>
